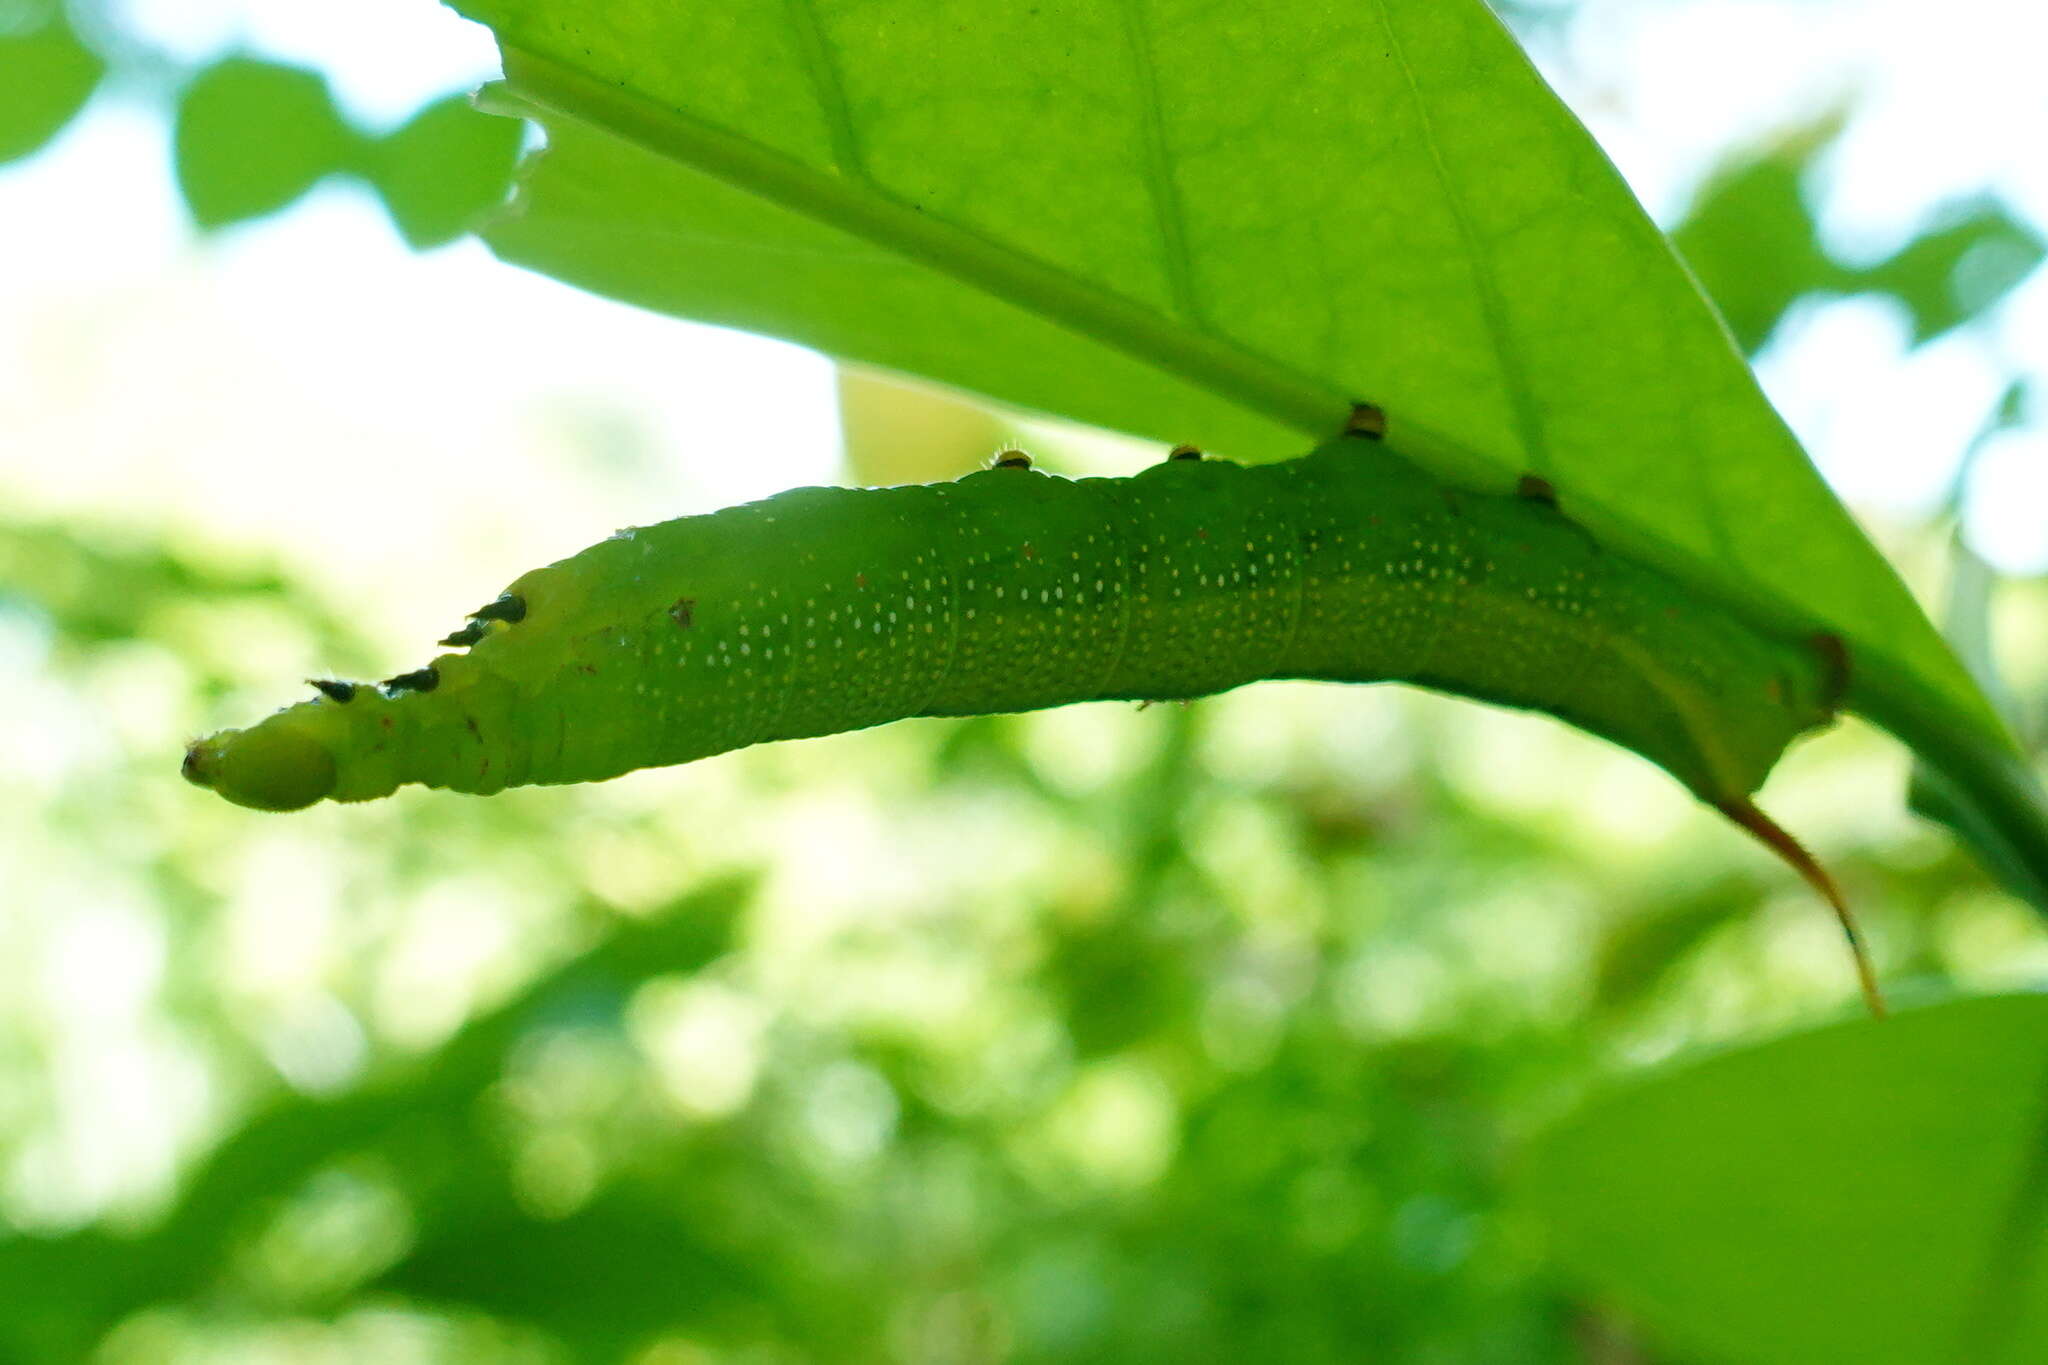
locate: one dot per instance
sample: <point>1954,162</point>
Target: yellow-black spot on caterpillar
<point>1533,488</point>
<point>1368,421</point>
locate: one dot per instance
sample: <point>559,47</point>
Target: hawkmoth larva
<point>828,609</point>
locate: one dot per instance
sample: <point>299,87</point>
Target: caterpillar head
<point>268,767</point>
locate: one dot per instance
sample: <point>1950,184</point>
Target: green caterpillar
<point>828,609</point>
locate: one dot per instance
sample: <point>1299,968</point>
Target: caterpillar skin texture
<point>829,609</point>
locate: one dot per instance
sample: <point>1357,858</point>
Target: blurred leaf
<point>1929,793</point>
<point>252,136</point>
<point>46,76</point>
<point>1117,984</point>
<point>911,433</point>
<point>444,168</point>
<point>603,1278</point>
<point>1637,953</point>
<point>1381,202</point>
<point>1751,238</point>
<point>1959,269</point>
<point>1967,623</point>
<point>1875,1192</point>
<point>101,586</point>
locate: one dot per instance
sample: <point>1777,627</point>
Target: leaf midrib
<point>1178,347</point>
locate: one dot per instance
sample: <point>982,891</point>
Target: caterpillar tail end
<point>1775,837</point>
<point>265,768</point>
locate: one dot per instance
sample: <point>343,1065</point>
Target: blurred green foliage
<point>1754,240</point>
<point>1215,1052</point>
<point>46,75</point>
<point>252,135</point>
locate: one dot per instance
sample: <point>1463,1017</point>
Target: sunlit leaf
<point>1875,1192</point>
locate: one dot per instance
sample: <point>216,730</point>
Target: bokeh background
<point>1205,1032</point>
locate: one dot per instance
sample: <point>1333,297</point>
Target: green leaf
<point>443,169</point>
<point>1875,1192</point>
<point>1218,225</point>
<point>252,136</point>
<point>46,75</point>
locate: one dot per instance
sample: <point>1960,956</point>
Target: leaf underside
<point>1221,226</point>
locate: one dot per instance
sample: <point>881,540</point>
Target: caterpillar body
<point>823,610</point>
<point>828,609</point>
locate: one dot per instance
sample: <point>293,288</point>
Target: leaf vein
<point>1522,407</point>
<point>1167,209</point>
<point>822,71</point>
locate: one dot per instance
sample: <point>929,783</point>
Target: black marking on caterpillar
<point>1836,668</point>
<point>1537,489</point>
<point>509,608</point>
<point>1011,459</point>
<point>419,680</point>
<point>1367,420</point>
<point>334,689</point>
<point>470,634</point>
<point>1184,453</point>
